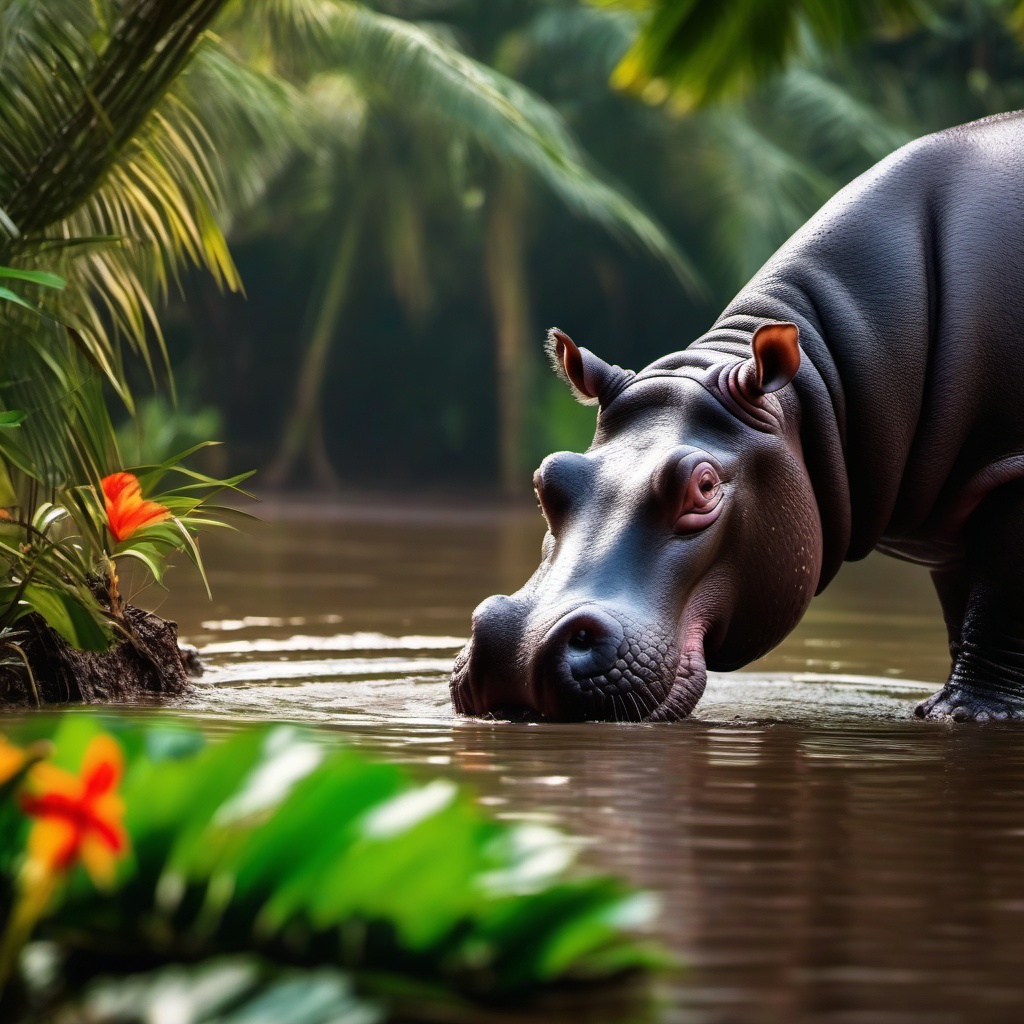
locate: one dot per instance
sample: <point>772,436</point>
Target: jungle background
<point>391,254</point>
<point>364,217</point>
<point>333,235</point>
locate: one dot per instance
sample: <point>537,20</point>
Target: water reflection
<point>819,856</point>
<point>872,874</point>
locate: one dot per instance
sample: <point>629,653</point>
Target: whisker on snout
<point>636,704</point>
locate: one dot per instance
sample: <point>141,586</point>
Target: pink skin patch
<point>691,674</point>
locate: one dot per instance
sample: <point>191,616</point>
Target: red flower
<point>126,510</point>
<point>79,816</point>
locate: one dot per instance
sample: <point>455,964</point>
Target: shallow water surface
<point>819,855</point>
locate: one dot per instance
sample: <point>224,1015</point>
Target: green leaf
<point>40,277</point>
<point>152,556</point>
<point>700,51</point>
<point>47,515</point>
<point>68,616</point>
<point>256,843</point>
<point>8,495</point>
<point>241,990</point>
<point>6,293</point>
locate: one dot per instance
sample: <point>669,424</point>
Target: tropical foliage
<point>701,51</point>
<point>127,847</point>
<point>397,118</point>
<point>729,181</point>
<point>106,193</point>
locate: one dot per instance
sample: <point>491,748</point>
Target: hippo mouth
<point>687,688</point>
<point>625,672</point>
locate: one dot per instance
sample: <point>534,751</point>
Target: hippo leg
<point>983,605</point>
<point>953,585</point>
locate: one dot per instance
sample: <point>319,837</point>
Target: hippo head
<point>686,537</point>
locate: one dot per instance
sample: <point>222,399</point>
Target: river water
<point>818,854</point>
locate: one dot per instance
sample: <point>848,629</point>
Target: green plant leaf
<point>258,843</point>
<point>6,293</point>
<point>239,990</point>
<point>40,277</point>
<point>699,51</point>
<point>62,610</point>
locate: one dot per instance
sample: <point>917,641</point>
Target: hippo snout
<point>485,678</point>
<point>585,662</point>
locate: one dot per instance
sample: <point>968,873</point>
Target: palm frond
<point>105,181</point>
<point>103,168</point>
<point>253,120</point>
<point>593,36</point>
<point>762,192</point>
<point>86,106</point>
<point>432,79</point>
<point>839,121</point>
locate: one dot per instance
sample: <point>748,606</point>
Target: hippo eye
<point>701,498</point>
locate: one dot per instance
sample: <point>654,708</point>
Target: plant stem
<point>112,582</point>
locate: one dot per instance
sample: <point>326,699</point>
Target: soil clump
<point>147,661</point>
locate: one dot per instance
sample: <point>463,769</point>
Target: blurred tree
<point>701,51</point>
<point>412,81</point>
<point>730,181</point>
<point>509,294</point>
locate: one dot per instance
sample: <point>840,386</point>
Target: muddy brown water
<point>818,855</point>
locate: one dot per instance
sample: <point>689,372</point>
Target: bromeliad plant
<point>65,521</point>
<point>61,561</point>
<point>130,847</point>
<point>119,523</point>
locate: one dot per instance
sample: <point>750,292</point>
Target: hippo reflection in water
<point>863,391</point>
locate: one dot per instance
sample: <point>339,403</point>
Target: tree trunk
<point>303,430</point>
<point>506,282</point>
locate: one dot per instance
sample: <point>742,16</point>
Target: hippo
<point>864,391</point>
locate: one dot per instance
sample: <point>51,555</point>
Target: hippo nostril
<point>586,642</point>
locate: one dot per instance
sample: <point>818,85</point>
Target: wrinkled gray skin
<point>864,390</point>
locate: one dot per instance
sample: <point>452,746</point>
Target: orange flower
<point>15,759</point>
<point>126,510</point>
<point>79,817</point>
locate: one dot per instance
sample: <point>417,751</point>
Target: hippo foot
<point>958,703</point>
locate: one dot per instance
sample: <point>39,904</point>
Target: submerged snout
<point>588,661</point>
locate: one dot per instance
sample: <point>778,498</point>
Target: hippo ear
<point>776,358</point>
<point>591,378</point>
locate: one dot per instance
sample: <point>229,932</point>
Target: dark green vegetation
<point>412,364</point>
<point>310,869</point>
<point>106,194</point>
